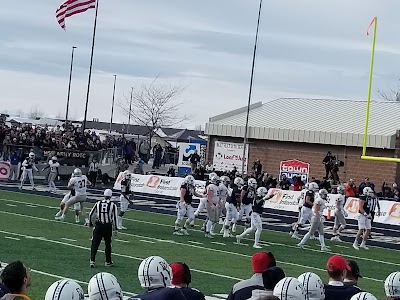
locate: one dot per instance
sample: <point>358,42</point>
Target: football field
<point>54,249</point>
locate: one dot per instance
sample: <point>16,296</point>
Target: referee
<point>106,218</point>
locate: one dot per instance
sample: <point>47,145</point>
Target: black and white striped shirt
<point>106,212</point>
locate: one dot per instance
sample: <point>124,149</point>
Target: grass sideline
<point>29,232</point>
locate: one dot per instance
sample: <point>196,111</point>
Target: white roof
<point>321,121</point>
<point>41,121</point>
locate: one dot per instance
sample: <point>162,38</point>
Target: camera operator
<point>327,161</point>
<point>257,167</point>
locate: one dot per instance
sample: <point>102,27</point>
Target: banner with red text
<point>4,170</point>
<point>229,155</point>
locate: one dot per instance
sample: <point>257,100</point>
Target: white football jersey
<point>223,192</point>
<point>302,197</point>
<point>340,202</point>
<point>321,202</point>
<point>215,192</point>
<point>79,184</point>
<point>53,166</point>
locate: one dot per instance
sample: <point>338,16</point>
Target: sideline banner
<point>4,170</point>
<point>185,150</point>
<point>294,167</point>
<point>161,185</point>
<point>229,155</point>
<point>288,201</point>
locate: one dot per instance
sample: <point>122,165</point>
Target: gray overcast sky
<point>308,48</point>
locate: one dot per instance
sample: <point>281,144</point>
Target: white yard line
<point>12,205</point>
<point>12,238</point>
<point>122,241</point>
<point>146,241</point>
<point>69,240</point>
<point>218,243</point>
<point>194,242</point>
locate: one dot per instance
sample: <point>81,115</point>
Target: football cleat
<point>296,236</point>
<point>185,232</point>
<point>355,246</point>
<point>364,246</point>
<point>108,264</point>
<point>213,233</point>
<point>221,221</point>
<point>92,264</point>
<point>257,246</point>
<point>324,248</point>
<point>336,238</point>
<point>77,219</point>
<point>177,232</point>
<point>234,228</point>
<point>58,214</point>
<point>60,218</point>
<point>122,228</point>
<point>300,245</point>
<point>207,235</point>
<point>238,239</point>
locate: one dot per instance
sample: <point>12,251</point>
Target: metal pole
<point>69,84</point>
<point>251,88</point>
<point>130,110</point>
<point>90,67</point>
<point>113,98</point>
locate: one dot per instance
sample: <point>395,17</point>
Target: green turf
<point>217,267</point>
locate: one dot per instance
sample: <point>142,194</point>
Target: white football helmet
<point>65,289</point>
<point>77,172</point>
<point>367,191</point>
<point>363,296</point>
<point>289,288</point>
<point>313,286</point>
<point>341,189</point>
<point>262,191</point>
<point>313,186</point>
<point>214,179</point>
<point>323,193</point>
<point>31,155</point>
<point>127,175</point>
<point>306,186</point>
<point>104,286</point>
<point>189,180</point>
<point>211,175</point>
<point>238,181</point>
<point>225,180</point>
<point>154,272</point>
<point>252,182</point>
<point>108,193</point>
<point>54,158</point>
<point>392,285</point>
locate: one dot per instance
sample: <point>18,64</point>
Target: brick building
<point>306,129</point>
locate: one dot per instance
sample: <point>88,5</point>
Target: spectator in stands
<point>144,150</point>
<point>353,274</point>
<point>328,163</point>
<point>284,184</point>
<point>15,159</point>
<point>325,184</point>
<point>242,290</point>
<point>297,183</point>
<point>351,189</point>
<point>194,160</point>
<point>257,168</point>
<point>386,190</point>
<point>272,182</point>
<point>337,268</point>
<point>210,168</point>
<point>157,155</point>
<point>364,184</point>
<point>233,174</point>
<point>93,171</point>
<point>128,153</point>
<point>17,278</point>
<point>181,278</point>
<point>395,192</point>
<point>171,172</point>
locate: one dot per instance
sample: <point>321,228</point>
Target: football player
<point>184,205</point>
<point>364,218</point>
<point>125,197</point>
<point>392,285</point>
<point>65,289</point>
<point>313,286</point>
<point>306,210</point>
<point>223,194</point>
<point>213,205</point>
<point>256,223</point>
<point>232,207</point>
<point>203,203</point>
<point>53,165</point>
<point>27,166</point>
<point>247,197</point>
<point>363,296</point>
<point>340,215</point>
<point>77,206</point>
<point>155,275</point>
<point>317,220</point>
<point>79,183</point>
<point>104,286</point>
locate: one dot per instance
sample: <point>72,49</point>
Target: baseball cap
<point>262,261</point>
<point>180,273</point>
<point>355,270</point>
<point>337,262</point>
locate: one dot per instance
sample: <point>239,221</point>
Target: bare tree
<point>392,94</point>
<point>154,105</point>
<point>35,113</point>
<point>198,127</point>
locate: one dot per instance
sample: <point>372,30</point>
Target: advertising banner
<point>185,150</point>
<point>4,170</point>
<point>229,155</point>
<point>294,167</point>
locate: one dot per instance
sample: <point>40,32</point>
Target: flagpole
<point>90,67</point>
<point>113,98</point>
<point>245,142</point>
<point>371,72</point>
<point>69,84</point>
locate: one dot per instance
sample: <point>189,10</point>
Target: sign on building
<point>229,155</point>
<point>294,167</point>
<point>185,150</point>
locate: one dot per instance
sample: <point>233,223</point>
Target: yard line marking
<point>30,205</point>
<point>211,249</point>
<point>146,241</point>
<point>12,205</point>
<point>69,240</point>
<point>12,238</point>
<point>193,242</point>
<point>340,246</point>
<point>122,241</point>
<point>115,254</point>
<point>218,243</point>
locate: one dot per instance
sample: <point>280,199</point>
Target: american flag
<point>72,7</point>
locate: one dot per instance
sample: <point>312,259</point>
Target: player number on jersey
<point>82,183</point>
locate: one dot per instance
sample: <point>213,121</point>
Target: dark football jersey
<point>258,205</point>
<point>188,197</point>
<point>161,294</point>
<point>249,195</point>
<point>368,202</point>
<point>126,187</point>
<point>312,198</point>
<point>192,294</point>
<point>235,196</point>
